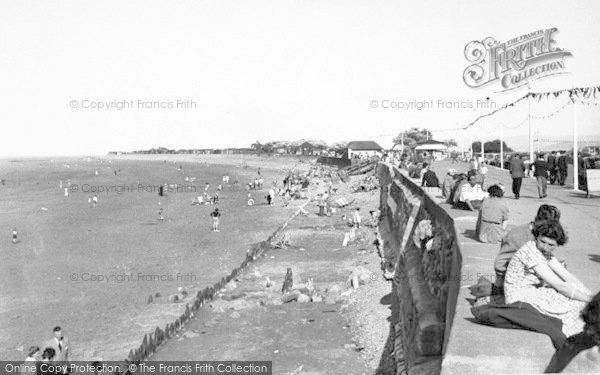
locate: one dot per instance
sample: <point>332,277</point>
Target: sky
<point>217,74</point>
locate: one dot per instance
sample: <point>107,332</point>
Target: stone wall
<point>421,256</point>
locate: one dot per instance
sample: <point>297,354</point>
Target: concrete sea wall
<point>421,255</point>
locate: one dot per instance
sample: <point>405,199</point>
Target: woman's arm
<point>561,271</point>
<point>566,288</point>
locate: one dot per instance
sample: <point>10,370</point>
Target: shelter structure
<point>364,149</point>
<point>438,150</point>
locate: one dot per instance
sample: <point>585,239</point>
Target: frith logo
<point>514,63</point>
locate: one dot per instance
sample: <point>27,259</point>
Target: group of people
<point>55,350</point>
<point>462,190</point>
<point>528,272</point>
<point>550,167</point>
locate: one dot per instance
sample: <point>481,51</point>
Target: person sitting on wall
<point>493,217</point>
<point>516,238</point>
<point>535,276</point>
<point>448,184</point>
<point>429,178</point>
<point>461,181</point>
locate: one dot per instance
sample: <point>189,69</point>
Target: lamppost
<point>501,146</point>
<point>575,144</point>
<point>529,122</point>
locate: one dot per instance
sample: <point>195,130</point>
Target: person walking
<point>541,175</point>
<point>552,167</point>
<point>563,168</point>
<point>14,236</point>
<point>516,169</point>
<point>215,215</point>
<point>581,172</point>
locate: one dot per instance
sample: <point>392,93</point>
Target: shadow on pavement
<point>386,300</point>
<point>594,257</point>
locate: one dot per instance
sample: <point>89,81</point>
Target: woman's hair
<point>48,353</point>
<point>551,229</point>
<point>547,212</point>
<point>591,316</point>
<point>495,191</point>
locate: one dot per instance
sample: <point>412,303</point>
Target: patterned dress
<point>521,283</point>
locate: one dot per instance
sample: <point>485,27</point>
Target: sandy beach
<point>92,270</point>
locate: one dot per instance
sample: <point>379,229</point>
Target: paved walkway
<point>476,348</point>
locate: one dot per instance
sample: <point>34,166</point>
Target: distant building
<point>436,149</point>
<point>364,148</point>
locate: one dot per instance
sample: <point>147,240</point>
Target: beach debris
<point>288,282</point>
<point>190,334</point>
<point>346,239</point>
<point>297,371</point>
<point>230,286</point>
<point>268,282</point>
<point>173,298</point>
<point>360,276</point>
<point>290,296</point>
<point>303,298</point>
<point>283,242</point>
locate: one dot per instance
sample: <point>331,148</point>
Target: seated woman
<point>493,217</point>
<point>448,184</point>
<point>536,277</point>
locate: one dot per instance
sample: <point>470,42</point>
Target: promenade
<point>475,348</point>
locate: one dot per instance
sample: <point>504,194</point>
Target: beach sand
<point>91,270</point>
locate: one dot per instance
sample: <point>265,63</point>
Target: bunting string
<point>575,94</point>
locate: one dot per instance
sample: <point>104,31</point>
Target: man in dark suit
<point>61,346</point>
<point>552,167</point>
<point>516,168</point>
<point>541,175</point>
<point>563,168</point>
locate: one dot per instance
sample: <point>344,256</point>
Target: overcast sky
<point>268,70</point>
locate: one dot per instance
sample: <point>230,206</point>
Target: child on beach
<point>215,215</point>
<point>356,218</point>
<point>94,201</point>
